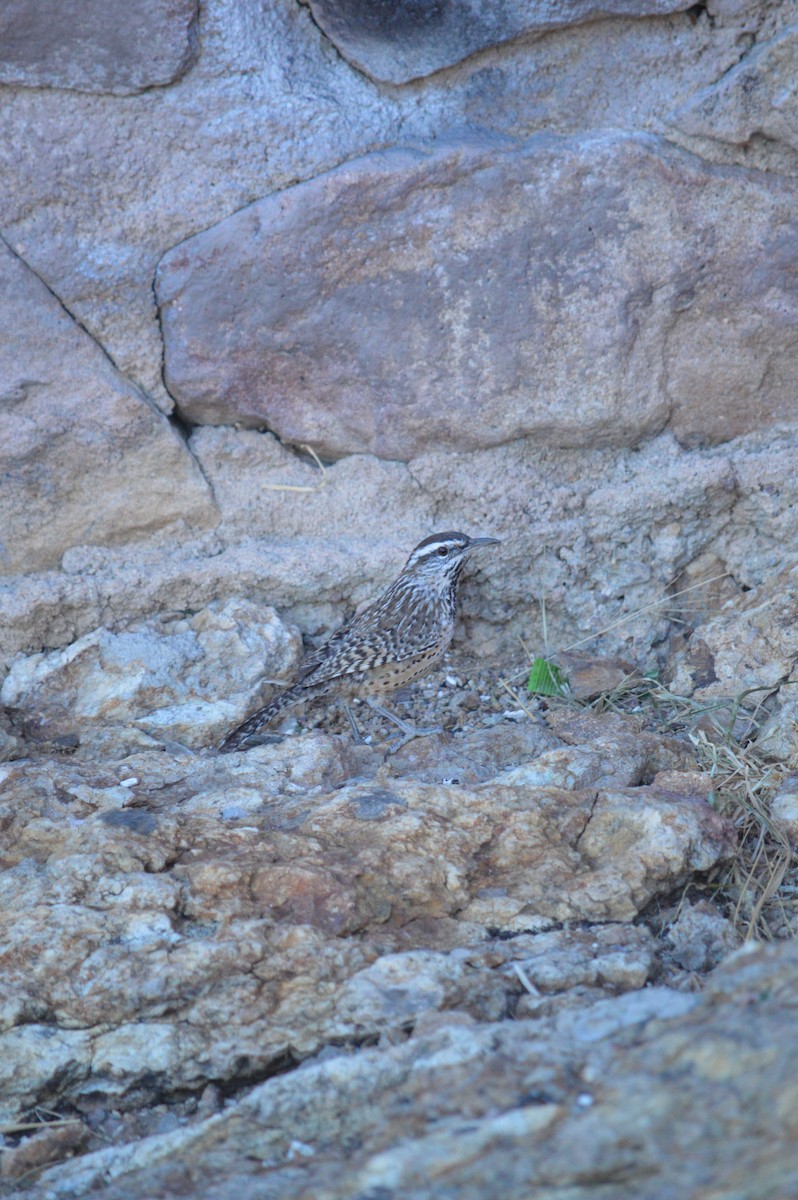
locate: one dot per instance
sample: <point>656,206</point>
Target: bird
<point>398,638</point>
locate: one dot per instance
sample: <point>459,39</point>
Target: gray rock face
<point>582,291</point>
<point>83,455</point>
<point>399,42</point>
<point>96,189</point>
<point>753,644</point>
<point>753,98</point>
<point>96,46</point>
<point>185,679</point>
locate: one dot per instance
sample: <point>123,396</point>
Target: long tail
<point>276,705</point>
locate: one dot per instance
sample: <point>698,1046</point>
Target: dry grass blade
<point>26,1126</point>
<point>759,888</point>
<point>624,620</point>
<point>302,487</point>
<point>745,786</point>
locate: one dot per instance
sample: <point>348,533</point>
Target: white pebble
<point>131,782</point>
<point>299,1149</point>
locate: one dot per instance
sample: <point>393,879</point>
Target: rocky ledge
<point>465,960</point>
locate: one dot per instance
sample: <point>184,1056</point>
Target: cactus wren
<point>394,641</point>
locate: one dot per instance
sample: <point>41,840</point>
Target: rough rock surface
<point>219,916</point>
<point>485,964</point>
<point>399,43</point>
<point>458,1106</point>
<point>84,456</point>
<point>584,291</point>
<point>186,680</point>
<point>784,807</point>
<point>752,643</point>
<point>96,46</point>
<point>96,188</point>
<point>754,99</point>
<point>596,543</point>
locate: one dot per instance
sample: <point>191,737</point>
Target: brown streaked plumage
<point>393,642</point>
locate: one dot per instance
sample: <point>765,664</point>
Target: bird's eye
<point>443,551</point>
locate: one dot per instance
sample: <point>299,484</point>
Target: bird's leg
<point>409,731</point>
<point>350,716</point>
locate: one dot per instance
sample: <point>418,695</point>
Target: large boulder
<point>580,291</point>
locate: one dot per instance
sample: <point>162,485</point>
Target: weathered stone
<point>750,643</point>
<point>777,739</point>
<point>701,938</point>
<point>272,548</point>
<point>55,1141</point>
<point>177,927</point>
<point>398,43</point>
<point>639,1100</point>
<point>96,189</point>
<point>192,889</point>
<point>589,675</point>
<point>96,47</point>
<point>185,679</point>
<point>85,458</point>
<point>755,98</point>
<point>583,291</point>
<point>612,956</point>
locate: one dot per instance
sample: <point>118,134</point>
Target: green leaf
<point>545,679</point>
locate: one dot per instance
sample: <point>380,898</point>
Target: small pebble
<point>131,782</point>
<point>299,1149</point>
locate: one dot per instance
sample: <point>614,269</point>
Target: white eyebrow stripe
<point>432,548</point>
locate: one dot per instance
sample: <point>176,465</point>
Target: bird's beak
<point>475,543</point>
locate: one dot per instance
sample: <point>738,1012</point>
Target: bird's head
<point>441,556</point>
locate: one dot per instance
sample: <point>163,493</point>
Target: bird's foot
<point>412,733</point>
<point>409,732</point>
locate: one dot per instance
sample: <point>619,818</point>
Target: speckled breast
<point>390,676</point>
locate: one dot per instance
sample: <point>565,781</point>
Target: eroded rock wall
<point>535,265</point>
<point>285,287</point>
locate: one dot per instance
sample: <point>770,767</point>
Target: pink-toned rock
<point>582,291</point>
<point>96,46</point>
<point>214,911</point>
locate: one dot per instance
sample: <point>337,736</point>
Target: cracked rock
<point>648,1091</point>
<point>84,456</point>
<point>751,643</point>
<point>223,914</point>
<point>96,46</point>
<point>646,289</point>
<point>754,98</point>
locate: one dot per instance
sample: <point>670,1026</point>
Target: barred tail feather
<point>236,738</point>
